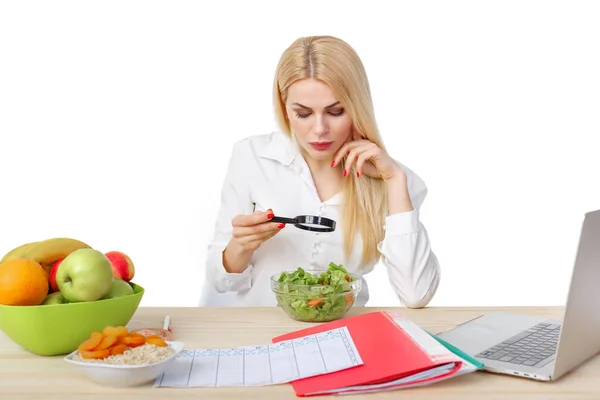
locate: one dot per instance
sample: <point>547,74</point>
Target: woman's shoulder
<point>274,145</point>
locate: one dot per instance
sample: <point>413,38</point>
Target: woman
<point>328,160</point>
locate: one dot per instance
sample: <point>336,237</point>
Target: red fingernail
<point>281,226</point>
<point>270,216</point>
<point>357,174</point>
<point>333,163</point>
<point>345,172</point>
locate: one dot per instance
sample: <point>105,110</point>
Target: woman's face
<point>318,120</point>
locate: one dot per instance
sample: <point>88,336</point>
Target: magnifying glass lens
<point>309,223</point>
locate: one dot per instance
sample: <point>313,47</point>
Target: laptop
<point>539,348</point>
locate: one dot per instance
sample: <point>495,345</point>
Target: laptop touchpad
<point>488,330</point>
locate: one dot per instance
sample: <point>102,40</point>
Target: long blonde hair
<point>335,62</point>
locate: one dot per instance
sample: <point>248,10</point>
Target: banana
<point>17,252</point>
<point>49,251</point>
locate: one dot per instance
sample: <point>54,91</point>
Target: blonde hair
<point>334,62</point>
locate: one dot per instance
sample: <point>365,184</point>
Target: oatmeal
<point>144,354</point>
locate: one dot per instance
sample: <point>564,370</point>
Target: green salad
<point>330,295</point>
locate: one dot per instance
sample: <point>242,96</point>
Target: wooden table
<point>27,376</point>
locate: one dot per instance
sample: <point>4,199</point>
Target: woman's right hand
<point>249,233</point>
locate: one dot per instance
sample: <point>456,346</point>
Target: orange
<point>22,283</point>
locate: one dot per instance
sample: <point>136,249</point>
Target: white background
<point>117,120</point>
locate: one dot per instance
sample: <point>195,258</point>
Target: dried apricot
<point>118,349</point>
<point>106,342</point>
<point>155,340</point>
<point>95,354</point>
<point>115,331</point>
<point>91,343</point>
<point>133,339</point>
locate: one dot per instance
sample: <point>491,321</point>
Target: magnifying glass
<point>308,223</point>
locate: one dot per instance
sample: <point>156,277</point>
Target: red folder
<point>391,347</point>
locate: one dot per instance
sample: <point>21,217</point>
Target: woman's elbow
<point>416,302</point>
<point>420,295</point>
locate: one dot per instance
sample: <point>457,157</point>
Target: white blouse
<point>268,171</point>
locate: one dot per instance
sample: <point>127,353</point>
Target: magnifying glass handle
<point>283,220</point>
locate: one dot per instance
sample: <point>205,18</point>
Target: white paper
<point>420,379</point>
<point>261,365</point>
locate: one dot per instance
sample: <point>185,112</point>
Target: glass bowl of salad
<point>316,295</point>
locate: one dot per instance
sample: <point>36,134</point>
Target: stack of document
<point>395,352</point>
<point>367,353</point>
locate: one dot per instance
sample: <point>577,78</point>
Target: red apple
<point>122,265</point>
<point>52,275</point>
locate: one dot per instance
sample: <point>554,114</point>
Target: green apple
<point>54,298</point>
<point>119,288</point>
<point>84,275</point>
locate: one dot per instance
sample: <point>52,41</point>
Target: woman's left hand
<point>370,159</point>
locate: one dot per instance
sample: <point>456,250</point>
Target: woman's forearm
<point>398,196</point>
<point>236,258</point>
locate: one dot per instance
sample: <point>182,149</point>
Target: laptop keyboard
<point>534,347</point>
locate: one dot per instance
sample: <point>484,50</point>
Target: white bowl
<point>125,375</point>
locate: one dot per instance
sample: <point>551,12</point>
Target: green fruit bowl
<point>57,329</point>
